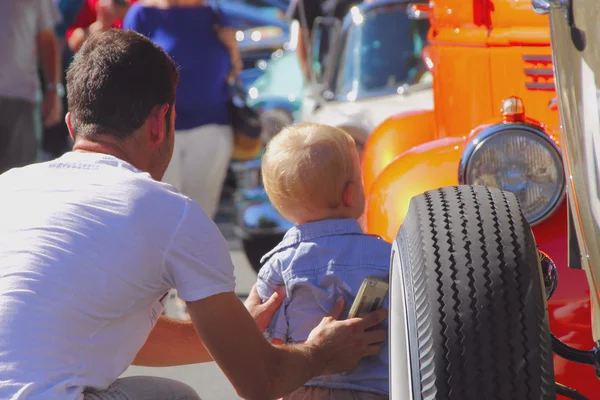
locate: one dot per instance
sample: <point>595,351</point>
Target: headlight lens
<point>519,159</point>
<point>273,121</point>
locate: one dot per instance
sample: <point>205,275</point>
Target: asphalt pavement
<point>207,378</point>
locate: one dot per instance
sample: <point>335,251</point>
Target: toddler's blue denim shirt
<point>317,262</point>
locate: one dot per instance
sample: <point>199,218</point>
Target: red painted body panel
<point>569,308</point>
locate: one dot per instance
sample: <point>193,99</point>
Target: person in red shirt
<point>96,16</point>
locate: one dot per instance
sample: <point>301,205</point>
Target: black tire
<point>257,246</point>
<point>465,269</point>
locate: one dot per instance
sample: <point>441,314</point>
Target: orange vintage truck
<point>495,123</point>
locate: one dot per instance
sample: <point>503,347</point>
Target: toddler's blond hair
<point>306,167</point>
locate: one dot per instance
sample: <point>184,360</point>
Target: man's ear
<point>348,194</point>
<point>69,125</point>
<point>158,130</point>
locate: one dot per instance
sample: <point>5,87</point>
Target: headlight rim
<point>476,142</point>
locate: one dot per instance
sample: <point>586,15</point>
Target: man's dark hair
<point>115,81</point>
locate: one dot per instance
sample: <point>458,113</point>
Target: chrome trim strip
<point>543,6</point>
<point>540,86</point>
<point>417,87</point>
<point>480,139</point>
<point>539,71</point>
<point>537,58</point>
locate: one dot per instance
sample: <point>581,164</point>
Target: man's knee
<point>150,387</point>
<point>184,391</point>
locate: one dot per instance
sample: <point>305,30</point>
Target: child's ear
<point>348,194</point>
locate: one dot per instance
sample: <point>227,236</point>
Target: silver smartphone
<point>370,297</point>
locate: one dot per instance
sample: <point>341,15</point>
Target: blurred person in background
<point>55,139</point>
<point>26,35</point>
<point>69,10</point>
<point>198,38</point>
<point>96,16</point>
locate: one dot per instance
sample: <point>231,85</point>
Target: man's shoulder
<point>18,174</point>
<point>94,174</point>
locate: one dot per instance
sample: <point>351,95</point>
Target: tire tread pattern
<point>479,309</point>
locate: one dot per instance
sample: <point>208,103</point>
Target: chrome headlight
<point>520,159</point>
<point>274,120</point>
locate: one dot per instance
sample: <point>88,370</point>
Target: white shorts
<point>199,165</point>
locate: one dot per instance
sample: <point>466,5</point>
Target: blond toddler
<point>312,176</point>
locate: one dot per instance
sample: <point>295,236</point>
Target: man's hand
<point>340,345</point>
<point>263,312</point>
<point>51,108</point>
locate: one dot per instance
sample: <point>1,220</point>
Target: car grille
<point>539,74</point>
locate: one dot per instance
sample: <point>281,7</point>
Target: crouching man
<point>91,243</point>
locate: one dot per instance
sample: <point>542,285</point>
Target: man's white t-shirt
<point>89,248</point>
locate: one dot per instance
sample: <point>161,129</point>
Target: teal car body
<point>280,86</point>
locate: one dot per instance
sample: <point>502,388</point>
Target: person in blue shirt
<point>198,38</point>
<point>312,175</point>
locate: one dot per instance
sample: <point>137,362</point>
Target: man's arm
<point>198,264</point>
<point>259,370</point>
<point>174,342</point>
<point>227,37</point>
<point>49,55</point>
